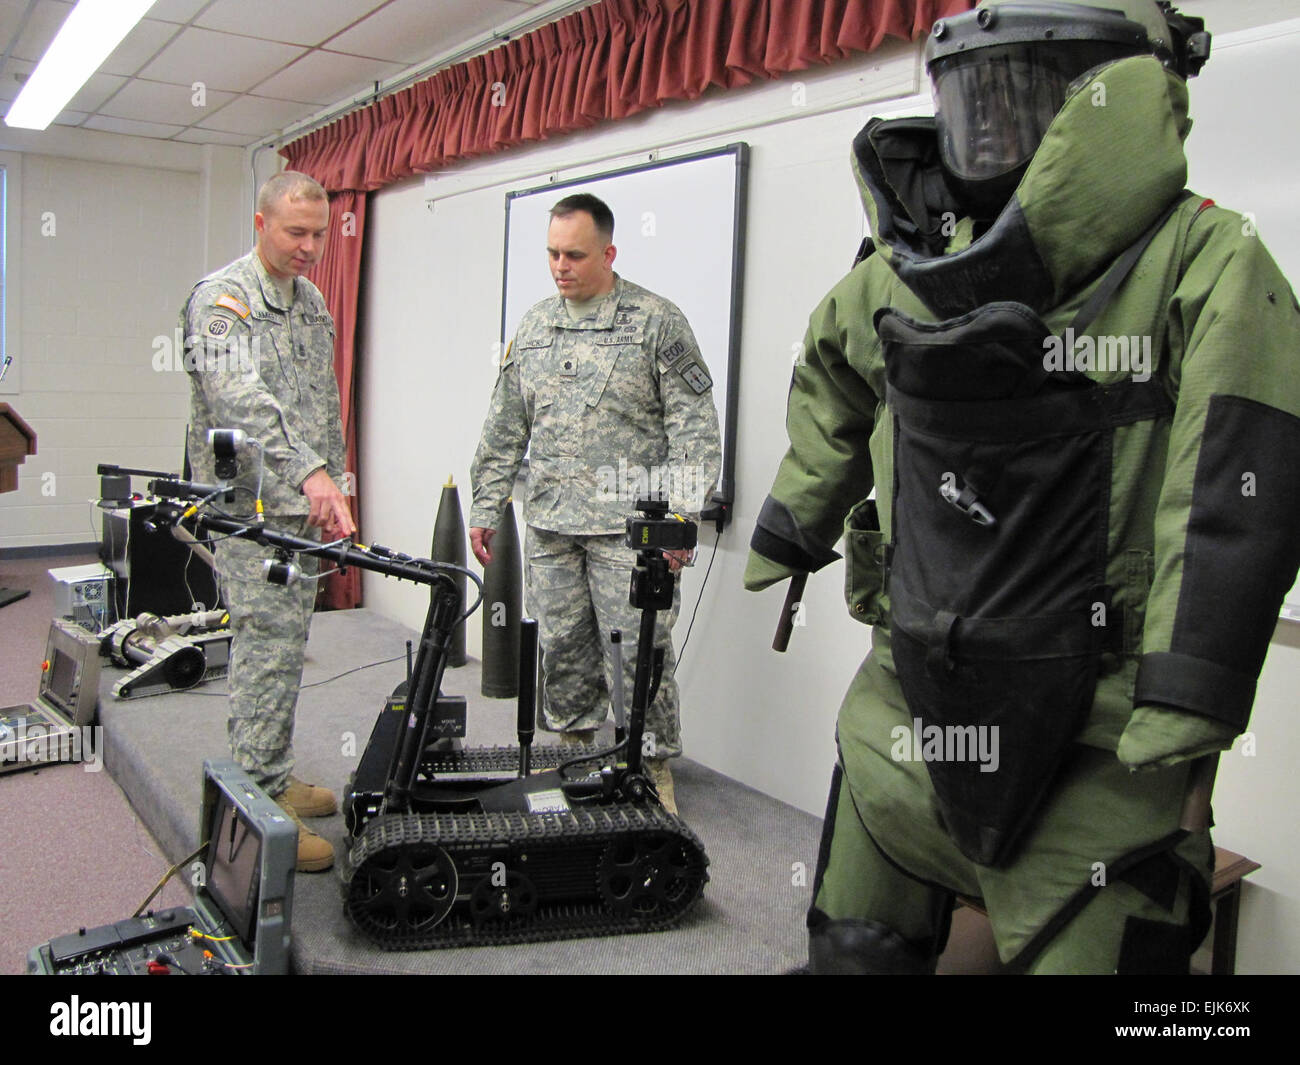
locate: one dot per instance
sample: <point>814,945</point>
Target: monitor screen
<point>60,680</point>
<point>234,865</point>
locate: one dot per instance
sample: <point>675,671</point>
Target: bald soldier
<point>277,384</point>
<point>603,381</point>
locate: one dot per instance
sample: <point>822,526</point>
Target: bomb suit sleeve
<point>830,415</point>
<point>501,446</point>
<point>690,417</point>
<point>1227,519</point>
<point>242,379</point>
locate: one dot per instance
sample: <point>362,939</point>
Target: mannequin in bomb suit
<point>1078,549</point>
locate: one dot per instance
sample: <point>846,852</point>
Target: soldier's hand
<point>479,541</point>
<point>677,559</point>
<point>329,506</point>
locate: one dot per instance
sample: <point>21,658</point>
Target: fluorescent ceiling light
<point>89,34</point>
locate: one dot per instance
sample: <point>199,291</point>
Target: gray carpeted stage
<point>762,852</point>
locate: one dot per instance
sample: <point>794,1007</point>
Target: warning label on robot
<point>552,801</point>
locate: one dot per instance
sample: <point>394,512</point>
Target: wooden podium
<point>17,441</point>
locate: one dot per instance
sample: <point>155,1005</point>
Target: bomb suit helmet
<point>1001,72</point>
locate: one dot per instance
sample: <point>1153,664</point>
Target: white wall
<point>431,307</point>
<point>114,231</point>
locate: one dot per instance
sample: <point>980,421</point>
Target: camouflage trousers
<point>269,624</point>
<point>577,588</point>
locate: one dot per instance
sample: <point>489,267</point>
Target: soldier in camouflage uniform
<point>260,352</point>
<point>608,384</point>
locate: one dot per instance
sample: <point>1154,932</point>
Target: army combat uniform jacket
<point>599,404</point>
<point>1091,546</point>
<point>268,369</point>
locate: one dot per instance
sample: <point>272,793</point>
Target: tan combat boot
<point>578,736</point>
<point>315,854</point>
<point>308,800</point>
<point>662,778</point>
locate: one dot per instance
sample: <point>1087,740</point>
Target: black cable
<point>318,683</point>
<point>596,756</point>
<point>696,611</point>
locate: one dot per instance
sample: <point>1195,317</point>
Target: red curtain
<point>338,276</point>
<point>606,61</point>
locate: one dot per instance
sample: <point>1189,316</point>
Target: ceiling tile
<point>138,47</point>
<point>135,129</point>
<point>296,21</point>
<point>98,88</point>
<point>257,115</point>
<point>157,101</point>
<point>198,135</point>
<point>327,77</point>
<point>41,28</point>
<point>10,86</point>
<point>219,60</point>
<point>409,31</point>
<point>11,17</point>
<point>176,10</point>
<point>70,118</point>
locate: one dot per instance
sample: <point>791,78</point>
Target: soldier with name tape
<point>602,377</point>
<point>286,400</point>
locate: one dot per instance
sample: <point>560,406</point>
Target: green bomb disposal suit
<point>1068,544</point>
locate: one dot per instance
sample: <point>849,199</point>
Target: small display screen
<point>61,680</point>
<point>234,864</point>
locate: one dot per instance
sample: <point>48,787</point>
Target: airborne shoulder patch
<point>219,325</point>
<point>232,304</point>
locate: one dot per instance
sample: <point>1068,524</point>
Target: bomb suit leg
<point>868,915</point>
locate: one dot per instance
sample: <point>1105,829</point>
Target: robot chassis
<point>450,846</point>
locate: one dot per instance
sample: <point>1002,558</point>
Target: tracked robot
<point>452,846</point>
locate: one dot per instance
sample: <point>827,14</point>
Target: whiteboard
<point>679,227</point>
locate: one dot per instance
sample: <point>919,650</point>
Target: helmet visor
<point>993,105</point>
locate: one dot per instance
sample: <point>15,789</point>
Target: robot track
<point>421,881</point>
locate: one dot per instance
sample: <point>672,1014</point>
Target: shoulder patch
<point>696,376</point>
<point>673,352</point>
<point>219,326</point>
<point>232,304</point>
